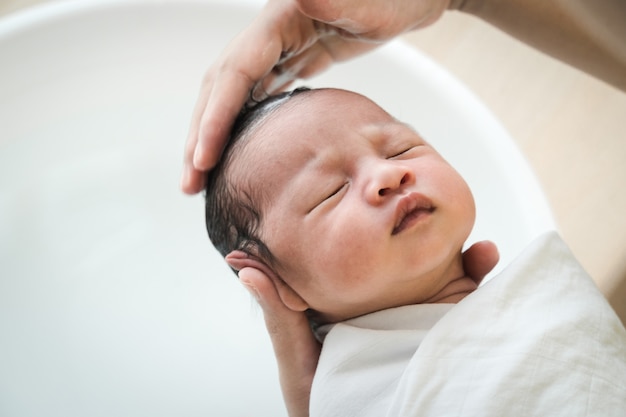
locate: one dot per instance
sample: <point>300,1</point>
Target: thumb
<point>294,344</point>
<point>296,349</point>
<point>260,285</point>
<point>479,259</point>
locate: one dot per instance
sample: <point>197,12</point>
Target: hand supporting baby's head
<point>350,209</point>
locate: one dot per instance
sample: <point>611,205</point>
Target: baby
<point>361,223</point>
<point>351,209</point>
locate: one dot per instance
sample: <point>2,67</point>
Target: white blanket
<point>537,340</point>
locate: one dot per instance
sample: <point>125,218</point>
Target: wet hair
<point>232,213</point>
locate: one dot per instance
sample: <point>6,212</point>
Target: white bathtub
<point>112,300</point>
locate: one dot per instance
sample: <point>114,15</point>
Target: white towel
<point>537,340</point>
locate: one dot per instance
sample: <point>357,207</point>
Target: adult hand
<point>289,39</point>
<point>296,348</point>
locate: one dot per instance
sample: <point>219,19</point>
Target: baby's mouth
<point>411,209</point>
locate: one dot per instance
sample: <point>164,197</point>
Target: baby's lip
<point>410,209</point>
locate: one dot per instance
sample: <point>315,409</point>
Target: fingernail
<point>184,178</point>
<point>197,160</point>
<point>202,159</point>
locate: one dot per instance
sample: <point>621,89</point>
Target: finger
<point>276,81</point>
<point>309,63</point>
<point>303,65</point>
<point>248,59</point>
<point>306,64</point>
<point>480,259</point>
<point>224,103</point>
<point>192,180</point>
<point>262,288</point>
<point>296,349</point>
<point>287,328</point>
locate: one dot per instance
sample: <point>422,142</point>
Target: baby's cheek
<point>461,206</point>
<point>451,187</point>
<point>350,250</point>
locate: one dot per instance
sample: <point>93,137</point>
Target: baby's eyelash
<point>335,192</point>
<point>405,150</point>
<point>329,196</point>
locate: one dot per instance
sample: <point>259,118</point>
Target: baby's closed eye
<point>406,151</point>
<point>330,195</point>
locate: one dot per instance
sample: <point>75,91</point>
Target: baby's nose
<point>388,179</point>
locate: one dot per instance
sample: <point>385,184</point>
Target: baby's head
<point>350,209</point>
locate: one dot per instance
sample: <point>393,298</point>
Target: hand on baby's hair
<point>298,39</point>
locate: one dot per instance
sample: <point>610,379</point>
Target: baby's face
<point>361,213</point>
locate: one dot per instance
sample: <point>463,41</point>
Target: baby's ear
<point>239,260</point>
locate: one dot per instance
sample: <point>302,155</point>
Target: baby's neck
<point>455,291</point>
<point>458,287</point>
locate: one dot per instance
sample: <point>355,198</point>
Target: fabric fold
<point>538,339</point>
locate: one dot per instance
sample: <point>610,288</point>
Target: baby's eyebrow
<point>316,175</point>
<point>324,160</point>
<point>381,132</point>
<point>375,132</point>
